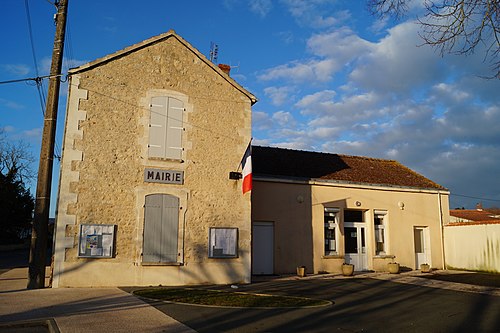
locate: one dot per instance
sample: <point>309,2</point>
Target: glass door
<point>355,246</point>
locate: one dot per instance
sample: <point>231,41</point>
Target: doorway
<point>263,248</point>
<point>355,245</point>
<point>422,246</point>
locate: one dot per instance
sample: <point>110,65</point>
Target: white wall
<point>473,247</point>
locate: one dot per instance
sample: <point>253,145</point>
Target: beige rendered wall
<point>105,154</point>
<point>299,226</point>
<point>473,247</point>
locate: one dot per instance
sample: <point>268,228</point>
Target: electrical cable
<point>38,80</point>
<point>471,197</point>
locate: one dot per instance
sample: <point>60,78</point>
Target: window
<point>223,243</point>
<point>161,224</point>
<point>353,215</point>
<point>331,226</point>
<point>380,241</point>
<point>166,127</point>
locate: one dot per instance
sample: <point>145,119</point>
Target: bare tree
<point>15,158</point>
<point>454,26</point>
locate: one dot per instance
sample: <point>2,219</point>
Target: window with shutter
<point>380,224</point>
<point>331,227</point>
<point>166,127</point>
<point>161,224</point>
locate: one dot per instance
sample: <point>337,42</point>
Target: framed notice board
<point>96,241</point>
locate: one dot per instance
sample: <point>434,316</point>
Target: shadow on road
<point>472,278</point>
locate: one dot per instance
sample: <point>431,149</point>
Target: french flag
<point>246,164</point>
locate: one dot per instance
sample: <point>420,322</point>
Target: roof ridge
<point>327,153</point>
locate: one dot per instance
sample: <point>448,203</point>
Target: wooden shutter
<point>165,127</point>
<point>158,126</point>
<point>175,112</point>
<point>170,226</point>
<point>161,224</point>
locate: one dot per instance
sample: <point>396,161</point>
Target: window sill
<point>384,256</point>
<point>335,256</point>
<point>179,160</point>
<point>162,264</point>
<point>223,257</point>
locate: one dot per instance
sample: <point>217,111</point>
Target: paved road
<point>360,305</point>
<point>366,303</point>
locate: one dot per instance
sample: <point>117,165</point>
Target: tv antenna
<point>214,52</point>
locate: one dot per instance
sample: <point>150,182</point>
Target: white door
<point>422,250</point>
<point>355,246</point>
<point>262,248</point>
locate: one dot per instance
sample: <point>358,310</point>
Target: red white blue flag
<point>246,164</point>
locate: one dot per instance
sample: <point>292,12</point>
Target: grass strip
<point>225,298</point>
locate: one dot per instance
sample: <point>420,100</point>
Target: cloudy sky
<point>329,77</point>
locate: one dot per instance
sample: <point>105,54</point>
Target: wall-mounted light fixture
<point>235,175</point>
<point>401,205</point>
<point>358,203</point>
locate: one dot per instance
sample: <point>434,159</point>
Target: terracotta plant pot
<point>301,271</point>
<point>347,269</point>
<point>393,267</point>
<point>425,268</point>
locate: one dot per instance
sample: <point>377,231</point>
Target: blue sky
<point>329,77</point>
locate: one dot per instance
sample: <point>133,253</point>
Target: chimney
<point>479,207</point>
<point>225,68</point>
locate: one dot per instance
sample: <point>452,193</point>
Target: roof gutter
<point>337,183</point>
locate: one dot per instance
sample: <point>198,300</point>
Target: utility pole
<point>39,233</point>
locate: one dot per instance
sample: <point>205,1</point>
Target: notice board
<point>96,241</point>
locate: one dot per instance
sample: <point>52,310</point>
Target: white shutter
<point>175,113</point>
<point>157,126</point>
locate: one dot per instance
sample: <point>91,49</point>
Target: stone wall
<point>105,154</point>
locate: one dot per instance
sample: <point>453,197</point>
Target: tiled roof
<point>474,215</point>
<point>297,164</point>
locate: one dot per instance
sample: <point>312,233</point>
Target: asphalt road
<point>360,305</point>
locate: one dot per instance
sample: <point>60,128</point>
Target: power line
<point>471,197</point>
<point>39,82</point>
<point>31,79</point>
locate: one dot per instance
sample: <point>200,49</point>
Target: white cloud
<point>283,118</point>
<point>35,133</point>
<point>311,71</point>
<point>260,7</point>
<point>317,14</point>
<point>278,95</point>
<point>396,64</point>
<point>260,121</point>
<point>332,51</point>
<point>11,104</point>
<point>17,69</point>
<point>390,98</point>
<point>7,129</point>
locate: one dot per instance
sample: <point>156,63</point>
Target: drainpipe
<point>441,230</point>
<point>184,231</point>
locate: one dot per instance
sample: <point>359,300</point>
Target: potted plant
<point>347,269</point>
<point>393,267</point>
<point>425,268</point>
<point>301,271</point>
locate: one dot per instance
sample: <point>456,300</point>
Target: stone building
<point>152,133</point>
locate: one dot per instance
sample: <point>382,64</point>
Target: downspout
<point>441,230</point>
<point>184,230</point>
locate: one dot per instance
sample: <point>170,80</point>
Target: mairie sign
<point>163,176</point>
